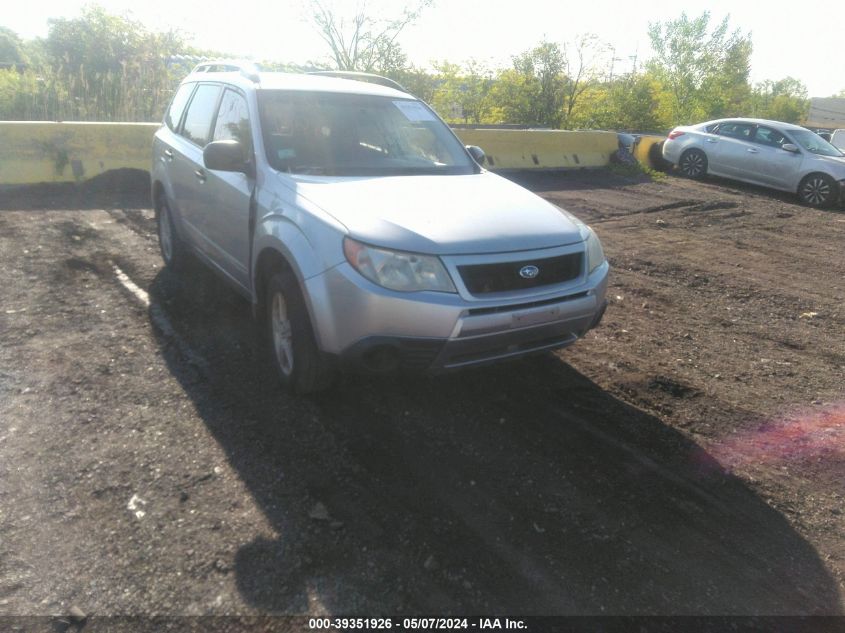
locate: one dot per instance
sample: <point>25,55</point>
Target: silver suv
<point>361,229</point>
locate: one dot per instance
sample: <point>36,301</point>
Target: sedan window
<point>814,143</point>
<point>741,131</point>
<point>769,136</point>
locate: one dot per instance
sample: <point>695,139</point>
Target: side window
<point>197,126</point>
<point>768,136</point>
<point>742,131</point>
<point>233,120</point>
<point>177,106</point>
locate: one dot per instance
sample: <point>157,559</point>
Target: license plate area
<point>522,319</point>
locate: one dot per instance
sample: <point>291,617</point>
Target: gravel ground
<point>687,457</point>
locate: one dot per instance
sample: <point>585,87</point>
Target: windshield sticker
<point>286,154</point>
<point>414,111</point>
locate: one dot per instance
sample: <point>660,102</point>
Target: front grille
<point>503,277</point>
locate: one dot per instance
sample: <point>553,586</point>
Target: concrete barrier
<point>542,149</point>
<point>37,152</point>
<point>644,152</point>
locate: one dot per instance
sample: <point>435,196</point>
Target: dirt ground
<point>687,457</point>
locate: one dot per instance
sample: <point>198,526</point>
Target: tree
<point>706,71</point>
<point>532,93</point>
<point>783,100</point>
<point>581,63</point>
<point>631,103</point>
<point>364,43</point>
<point>11,48</point>
<point>111,66</point>
<point>463,93</point>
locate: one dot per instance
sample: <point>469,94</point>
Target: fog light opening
<point>382,358</point>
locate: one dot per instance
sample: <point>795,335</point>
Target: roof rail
<point>358,76</point>
<point>247,69</point>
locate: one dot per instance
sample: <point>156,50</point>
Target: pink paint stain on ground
<point>803,437</point>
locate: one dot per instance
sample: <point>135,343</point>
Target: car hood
<point>441,215</point>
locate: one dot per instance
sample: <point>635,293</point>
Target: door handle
<point>168,154</point>
<point>751,150</point>
<point>712,140</point>
<point>200,174</point>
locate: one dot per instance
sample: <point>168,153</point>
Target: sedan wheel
<point>693,163</point>
<point>817,190</point>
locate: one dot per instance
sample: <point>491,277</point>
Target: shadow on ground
<point>735,187</point>
<point>543,181</point>
<point>522,488</point>
<point>118,188</point>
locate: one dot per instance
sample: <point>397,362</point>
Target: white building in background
<point>826,113</point>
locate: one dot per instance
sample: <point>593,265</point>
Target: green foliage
<point>705,71</point>
<point>463,94</point>
<point>113,68</point>
<point>11,48</point>
<point>638,171</point>
<point>783,100</point>
<point>540,73</point>
<point>631,102</point>
<point>418,82</point>
<point>100,66</point>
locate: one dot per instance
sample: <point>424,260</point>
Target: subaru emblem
<point>529,272</point>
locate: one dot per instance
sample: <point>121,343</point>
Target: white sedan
<point>768,153</point>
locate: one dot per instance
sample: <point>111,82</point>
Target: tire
<point>818,190</point>
<point>170,244</point>
<point>300,365</point>
<point>655,157</point>
<point>693,164</point>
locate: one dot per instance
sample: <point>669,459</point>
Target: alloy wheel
<point>816,191</point>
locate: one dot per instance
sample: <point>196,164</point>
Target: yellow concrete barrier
<point>35,152</point>
<point>542,149</point>
<point>642,150</point>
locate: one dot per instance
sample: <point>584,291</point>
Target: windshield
<point>335,134</point>
<point>814,143</point>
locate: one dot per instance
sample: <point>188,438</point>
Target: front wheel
<point>693,163</point>
<point>818,190</point>
<point>171,246</point>
<point>300,365</point>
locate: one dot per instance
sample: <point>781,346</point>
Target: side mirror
<point>226,156</point>
<point>789,147</point>
<point>477,153</point>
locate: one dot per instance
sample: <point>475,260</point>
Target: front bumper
<point>380,353</point>
<point>366,325</point>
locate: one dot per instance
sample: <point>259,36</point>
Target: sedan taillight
<point>675,134</point>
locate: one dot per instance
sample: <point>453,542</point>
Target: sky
<point>805,41</point>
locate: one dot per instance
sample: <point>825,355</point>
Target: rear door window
<point>197,126</point>
<point>741,131</point>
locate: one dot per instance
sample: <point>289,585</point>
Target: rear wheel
<point>693,163</point>
<point>818,190</point>
<point>300,365</point>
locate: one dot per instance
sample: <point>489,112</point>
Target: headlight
<point>396,270</point>
<point>595,253</point>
